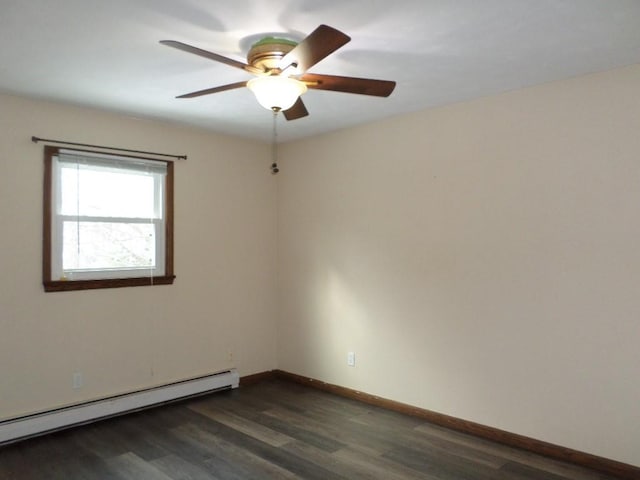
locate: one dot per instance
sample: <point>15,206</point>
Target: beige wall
<point>125,339</point>
<point>481,259</point>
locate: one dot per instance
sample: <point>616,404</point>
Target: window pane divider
<point>89,218</point>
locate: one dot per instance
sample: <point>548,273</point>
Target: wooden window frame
<point>51,285</point>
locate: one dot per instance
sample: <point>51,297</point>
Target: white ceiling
<point>105,53</point>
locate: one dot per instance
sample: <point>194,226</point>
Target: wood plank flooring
<point>273,429</point>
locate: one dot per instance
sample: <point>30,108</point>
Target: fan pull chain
<point>274,145</point>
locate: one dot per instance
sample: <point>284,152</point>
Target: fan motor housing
<point>267,53</point>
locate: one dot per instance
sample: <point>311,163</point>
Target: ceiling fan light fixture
<point>276,92</point>
<point>281,66</point>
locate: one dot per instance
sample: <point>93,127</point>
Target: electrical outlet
<point>77,380</point>
<point>351,359</point>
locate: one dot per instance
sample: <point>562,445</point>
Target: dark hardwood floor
<point>272,429</point>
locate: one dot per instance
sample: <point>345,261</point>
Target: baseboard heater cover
<point>23,427</point>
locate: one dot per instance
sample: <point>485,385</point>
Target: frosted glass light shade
<point>279,93</point>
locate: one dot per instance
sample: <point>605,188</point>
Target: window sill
<point>68,285</point>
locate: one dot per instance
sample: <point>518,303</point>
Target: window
<point>108,220</point>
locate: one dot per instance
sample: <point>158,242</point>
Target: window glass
<point>91,189</point>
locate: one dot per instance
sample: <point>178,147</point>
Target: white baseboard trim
<point>39,423</point>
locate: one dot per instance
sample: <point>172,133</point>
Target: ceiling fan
<point>281,65</point>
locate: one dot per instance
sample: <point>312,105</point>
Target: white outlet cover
<point>77,380</point>
<point>351,359</point>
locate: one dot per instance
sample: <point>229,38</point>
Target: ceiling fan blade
<point>323,41</point>
<point>298,110</point>
<point>362,86</point>
<point>208,91</point>
<point>211,56</point>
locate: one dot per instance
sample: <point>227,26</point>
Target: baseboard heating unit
<point>39,423</point>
